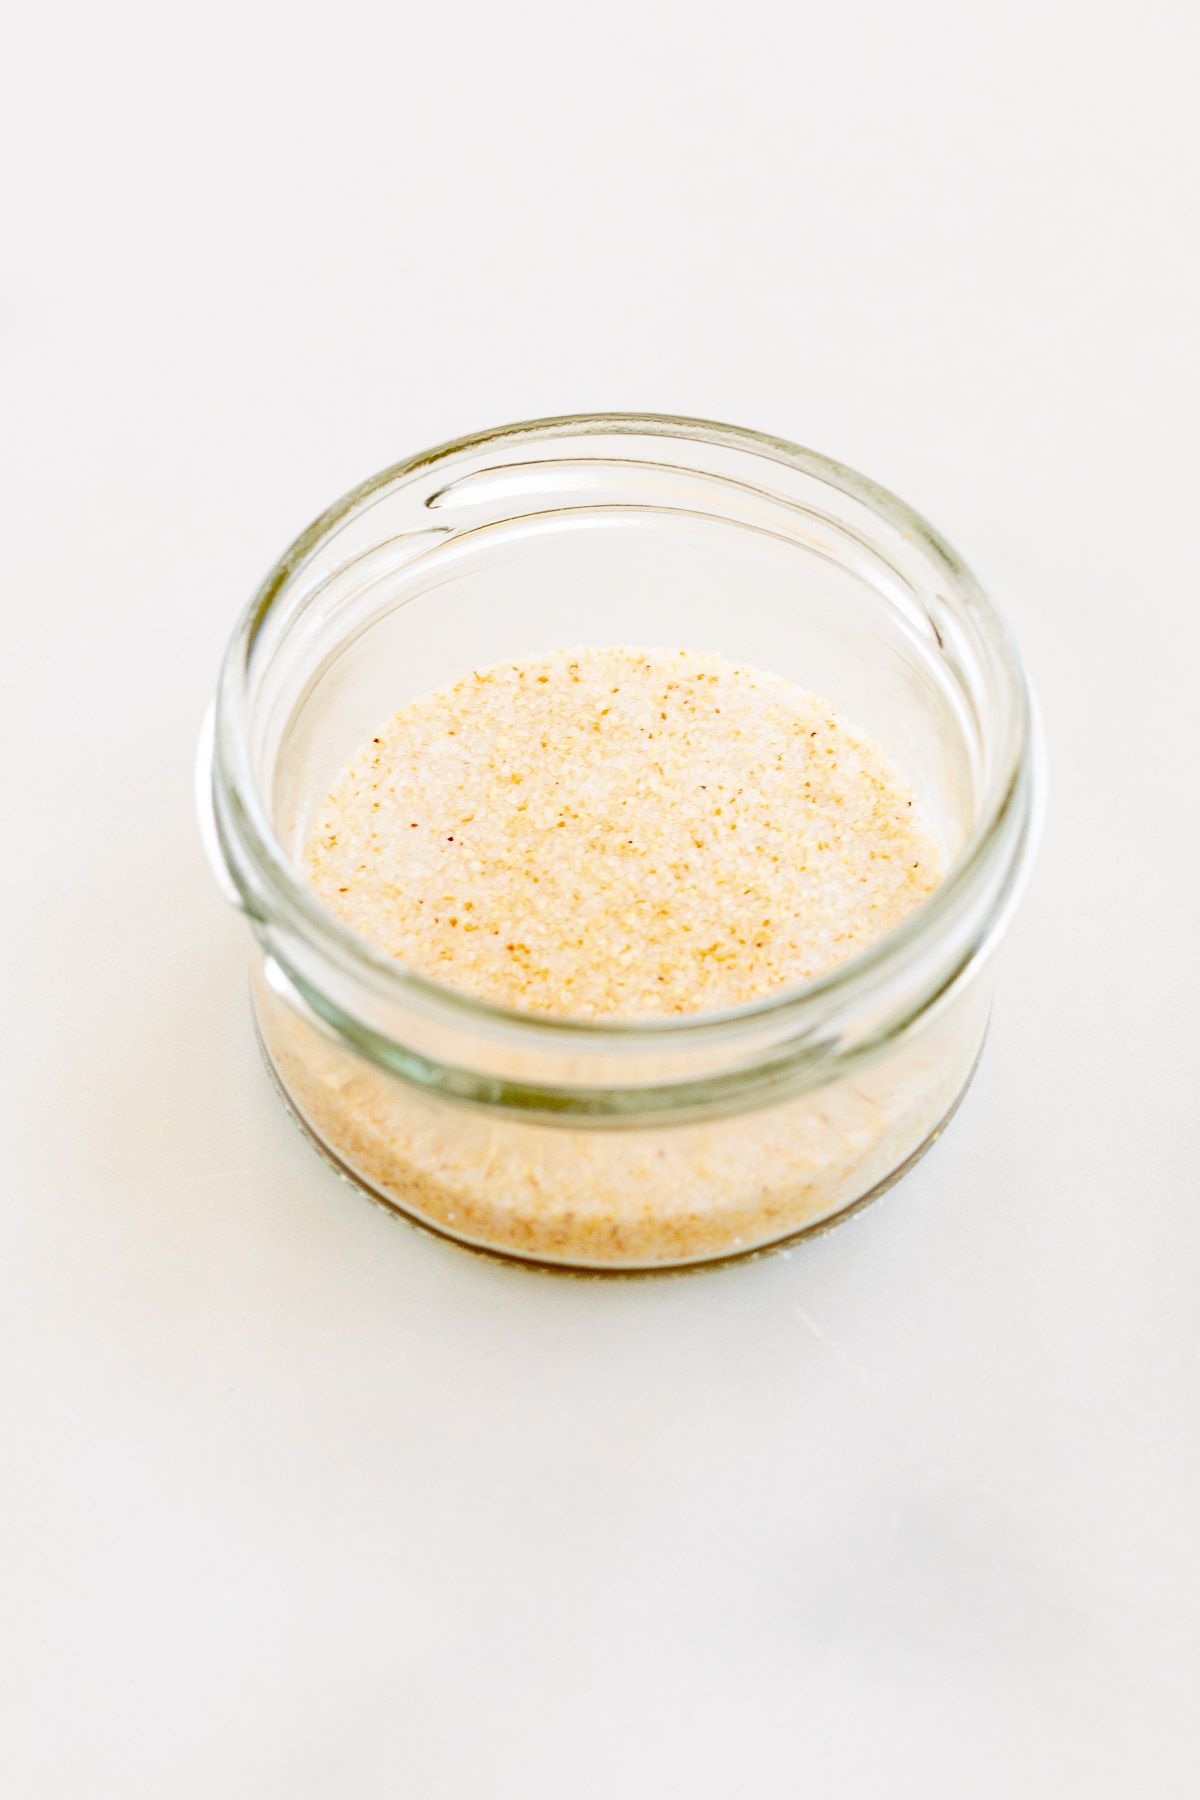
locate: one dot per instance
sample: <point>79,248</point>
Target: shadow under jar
<point>601,1144</point>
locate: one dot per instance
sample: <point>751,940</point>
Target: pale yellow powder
<point>617,833</point>
<point>621,833</point>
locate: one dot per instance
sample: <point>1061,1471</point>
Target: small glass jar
<point>660,1143</point>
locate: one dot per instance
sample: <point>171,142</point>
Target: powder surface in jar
<point>621,833</point>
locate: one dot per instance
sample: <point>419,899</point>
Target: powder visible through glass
<point>620,834</point>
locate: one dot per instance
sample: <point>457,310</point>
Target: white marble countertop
<point>298,1503</point>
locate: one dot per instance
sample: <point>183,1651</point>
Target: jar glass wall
<point>662,1142</point>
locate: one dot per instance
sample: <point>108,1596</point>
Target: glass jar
<point>603,1145</point>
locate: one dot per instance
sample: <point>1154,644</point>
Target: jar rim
<point>271,888</point>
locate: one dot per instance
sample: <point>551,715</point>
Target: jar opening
<point>502,500</point>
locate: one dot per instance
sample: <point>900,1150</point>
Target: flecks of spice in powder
<point>621,833</point>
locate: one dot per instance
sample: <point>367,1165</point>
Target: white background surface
<point>298,1504</point>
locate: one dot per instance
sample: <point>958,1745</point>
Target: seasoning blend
<point>615,833</point>
<point>609,957</point>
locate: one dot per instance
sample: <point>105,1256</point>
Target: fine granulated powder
<point>620,834</point>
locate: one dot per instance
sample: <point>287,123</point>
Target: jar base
<point>546,1266</point>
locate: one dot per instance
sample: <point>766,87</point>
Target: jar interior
<point>507,551</point>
